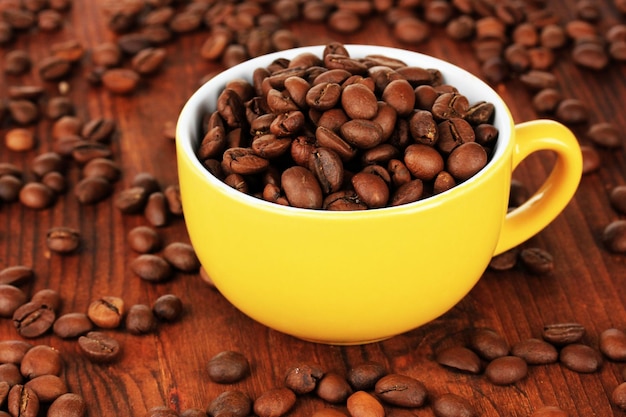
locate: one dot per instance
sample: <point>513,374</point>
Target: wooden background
<point>169,367</point>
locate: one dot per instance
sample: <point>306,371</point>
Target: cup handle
<point>555,193</point>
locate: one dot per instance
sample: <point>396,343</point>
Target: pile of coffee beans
<point>342,133</point>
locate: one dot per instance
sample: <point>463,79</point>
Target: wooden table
<point>169,366</point>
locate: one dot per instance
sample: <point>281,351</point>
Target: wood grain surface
<point>168,367</point>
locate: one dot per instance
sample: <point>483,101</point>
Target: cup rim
<point>190,118</point>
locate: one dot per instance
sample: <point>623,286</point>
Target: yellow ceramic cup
<point>362,276</point>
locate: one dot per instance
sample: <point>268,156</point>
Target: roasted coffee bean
<point>614,236</point>
<point>17,62</point>
<point>106,54</point>
<point>423,161</point>
<point>243,161</point>
<point>452,405</point>
<point>48,298</point>
<point>274,402</point>
<point>560,334</point>
<point>535,351</point>
<point>172,196</point>
<point>106,312</point>
<point>423,127</point>
<point>22,401</point>
<point>144,239</point>
<point>371,189</point>
<point>537,260</point>
<point>301,188</point>
<point>605,134</point>
<point>53,68</point>
<point>360,102</point>
<point>303,378</point>
<point>168,307</point>
<point>364,404</point>
<point>10,373</point>
<point>489,344</point>
<point>401,390</point>
<point>47,162</point>
<point>140,319</point>
<point>617,197</point>
<point>580,358</point>
<point>155,210</point>
<point>16,275</point>
<point>47,387</point>
<point>505,260</point>
<point>466,160</point>
<point>62,239</point>
<point>151,268</point>
<point>99,347</point>
<point>37,196</point>
<point>132,200</point>
<point>327,166</point>
<point>98,130</point>
<point>181,256</point>
<point>613,344</point>
<point>23,112</point>
<point>85,151</point>
<point>333,388</point>
<point>120,80</point>
<point>344,21</point>
<point>230,403</point>
<point>148,60</point>
<point>590,54</point>
<point>32,319</point>
<point>41,360</point>
<point>13,351</point>
<point>407,193</point>
<point>362,134</point>
<point>539,80</point>
<point>91,190</point>
<point>102,167</point>
<point>411,30</point>
<point>618,396</point>
<point>572,111</point>
<point>459,358</point>
<point>72,325</point>
<point>591,159</point>
<point>228,367</point>
<point>11,298</point>
<point>506,370</point>
<point>10,187</point>
<point>68,405</point>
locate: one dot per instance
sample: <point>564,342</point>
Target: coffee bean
<point>580,358</point>
<point>47,387</point>
<point>32,319</point>
<point>605,134</point>
<point>371,189</point>
<point>13,351</point>
<point>230,403</point>
<point>613,344</point>
<point>401,390</point>
<point>98,130</point>
<point>10,187</point>
<point>68,405</point>
<point>140,319</point>
<point>84,151</point>
<point>10,373</point>
<point>62,239</point>
<point>106,54</point>
<point>618,396</point>
<point>535,351</point>
<point>72,325</point>
<point>47,298</point>
<point>10,299</point>
<point>411,30</point>
<point>22,401</point>
<point>155,210</point>
<point>99,347</point>
<point>591,159</point>
<point>537,260</point>
<point>144,239</point>
<point>506,370</point>
<point>505,261</point>
<point>53,68</point>
<point>16,275</point>
<point>614,236</point>
<point>489,344</point>
<point>301,188</point>
<point>148,60</point>
<point>274,402</point>
<point>106,312</point>
<point>466,160</point>
<point>91,190</point>
<point>364,404</point>
<point>47,162</point>
<point>423,161</point>
<point>303,378</point>
<point>572,111</point>
<point>174,203</point>
<point>617,197</point>
<point>333,388</point>
<point>102,167</point>
<point>563,333</point>
<point>363,377</point>
<point>120,80</point>
<point>132,200</point>
<point>41,360</point>
<point>17,62</point>
<point>23,112</point>
<point>459,358</point>
<point>167,307</point>
<point>452,405</point>
<point>228,367</point>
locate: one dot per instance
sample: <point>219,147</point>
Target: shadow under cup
<point>345,277</point>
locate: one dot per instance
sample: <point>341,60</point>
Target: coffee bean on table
<point>155,210</point>
<point>230,403</point>
<point>275,402</point>
<point>33,319</point>
<point>102,167</point>
<point>120,80</point>
<point>580,358</point>
<point>591,159</point>
<point>11,298</point>
<point>72,325</point>
<point>10,187</point>
<point>364,376</point>
<point>106,312</point>
<point>401,390</point>
<point>68,405</point>
<point>613,344</point>
<point>47,387</point>
<point>535,351</point>
<point>151,268</point>
<point>181,256</point>
<point>333,388</point>
<point>560,334</point>
<point>99,347</point>
<point>572,111</point>
<point>41,360</point>
<point>488,343</point>
<point>20,139</point>
<point>452,405</point>
<point>10,373</point>
<point>605,134</point>
<point>537,260</point>
<point>505,260</point>
<point>614,236</point>
<point>16,275</point>
<point>617,197</point>
<point>364,404</point>
<point>144,239</point>
<point>132,200</point>
<point>91,190</point>
<point>618,396</point>
<point>506,370</point>
<point>167,307</point>
<point>22,401</point>
<point>13,351</point>
<point>62,239</point>
<point>140,319</point>
<point>459,358</point>
<point>228,367</point>
<point>303,378</point>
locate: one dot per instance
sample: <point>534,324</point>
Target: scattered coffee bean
<point>151,268</point>
<point>72,325</point>
<point>618,396</point>
<point>537,261</point>
<point>140,319</point>
<point>99,347</point>
<point>489,344</point>
<point>144,239</point>
<point>22,401</point>
<point>155,210</point>
<point>63,239</point>
<point>617,197</point>
<point>452,405</point>
<point>333,388</point>
<point>230,403</point>
<point>614,236</point>
<point>228,367</point>
<point>106,312</point>
<point>41,360</point>
<point>33,319</point>
<point>68,405</point>
<point>506,370</point>
<point>20,139</point>
<point>572,111</point>
<point>182,257</point>
<point>120,80</point>
<point>132,200</point>
<point>91,190</point>
<point>303,379</point>
<point>13,351</point>
<point>167,307</point>
<point>363,377</point>
<point>535,351</point>
<point>47,387</point>
<point>560,334</point>
<point>591,159</point>
<point>613,344</point>
<point>102,167</point>
<point>364,404</point>
<point>605,134</point>
<point>274,402</point>
<point>16,275</point>
<point>401,390</point>
<point>580,358</point>
<point>459,358</point>
<point>11,298</point>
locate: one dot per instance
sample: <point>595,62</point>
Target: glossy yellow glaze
<point>358,277</point>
